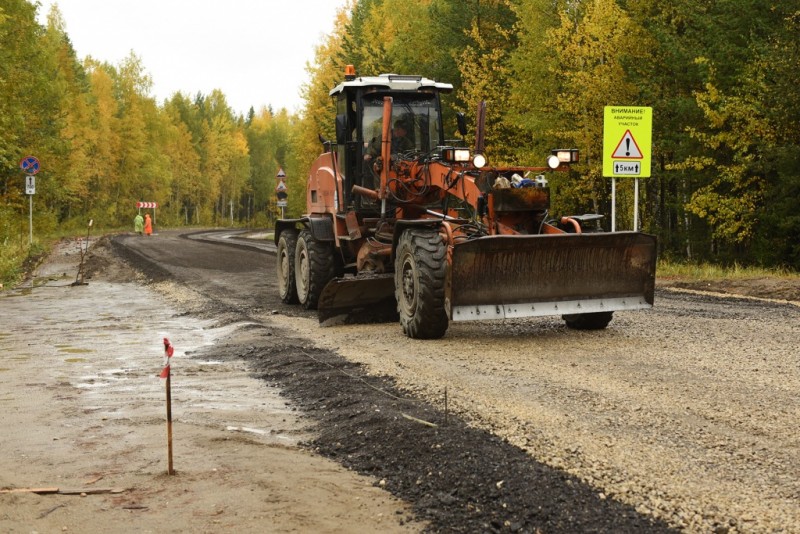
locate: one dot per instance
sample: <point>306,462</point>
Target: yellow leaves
<point>593,49</point>
<point>731,201</point>
<point>693,163</point>
<point>732,216</point>
<point>485,76</point>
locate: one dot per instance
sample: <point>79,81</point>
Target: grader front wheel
<point>420,272</point>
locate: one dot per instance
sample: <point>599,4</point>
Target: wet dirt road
<point>682,417</point>
<point>82,410</point>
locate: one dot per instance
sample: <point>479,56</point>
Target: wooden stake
<point>170,470</point>
<point>167,373</point>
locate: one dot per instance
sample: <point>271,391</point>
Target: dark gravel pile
<point>458,478</point>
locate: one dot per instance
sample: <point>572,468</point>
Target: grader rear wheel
<point>287,289</point>
<point>315,266</point>
<point>419,281</point>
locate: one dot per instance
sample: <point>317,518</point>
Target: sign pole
<point>281,192</point>
<point>636,205</point>
<point>613,204</point>
<point>30,218</point>
<point>30,166</point>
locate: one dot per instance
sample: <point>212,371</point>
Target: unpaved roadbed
<point>681,417</point>
<point>687,412</point>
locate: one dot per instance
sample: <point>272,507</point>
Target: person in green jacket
<point>138,224</point>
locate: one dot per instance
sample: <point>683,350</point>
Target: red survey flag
<point>168,350</point>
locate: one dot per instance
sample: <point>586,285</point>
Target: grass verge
<point>706,271</point>
<point>18,256</point>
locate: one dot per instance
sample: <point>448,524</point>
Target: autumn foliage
<point>722,78</point>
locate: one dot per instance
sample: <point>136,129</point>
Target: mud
<point>83,411</point>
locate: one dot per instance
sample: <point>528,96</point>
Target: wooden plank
<point>89,491</point>
<point>72,491</point>
<point>420,421</point>
<point>30,490</point>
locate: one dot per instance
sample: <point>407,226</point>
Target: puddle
<point>74,350</point>
<point>115,371</point>
<point>98,381</point>
<point>114,333</point>
<point>245,429</point>
<point>260,432</point>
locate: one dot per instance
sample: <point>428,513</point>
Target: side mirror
<point>325,143</point>
<point>461,119</point>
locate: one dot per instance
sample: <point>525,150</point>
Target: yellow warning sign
<point>627,141</point>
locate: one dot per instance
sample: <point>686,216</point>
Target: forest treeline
<point>722,77</point>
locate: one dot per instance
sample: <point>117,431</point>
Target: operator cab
<point>416,108</point>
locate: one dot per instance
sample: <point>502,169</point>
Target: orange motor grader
<point>429,228</point>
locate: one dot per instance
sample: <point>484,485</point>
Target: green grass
<point>15,255</point>
<point>19,257</point>
<point>707,271</point>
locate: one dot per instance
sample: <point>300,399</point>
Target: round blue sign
<point>29,165</point>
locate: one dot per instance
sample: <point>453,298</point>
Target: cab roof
<point>393,82</point>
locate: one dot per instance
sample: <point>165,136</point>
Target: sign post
<point>30,166</point>
<point>281,192</point>
<point>627,150</point>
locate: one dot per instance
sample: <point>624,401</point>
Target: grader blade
<point>358,299</point>
<point>500,277</point>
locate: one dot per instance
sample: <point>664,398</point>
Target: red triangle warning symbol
<point>627,148</point>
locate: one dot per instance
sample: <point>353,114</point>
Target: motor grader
<point>438,234</point>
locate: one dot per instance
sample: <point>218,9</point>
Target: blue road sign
<point>29,165</point>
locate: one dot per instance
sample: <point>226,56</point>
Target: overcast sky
<point>254,51</point>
